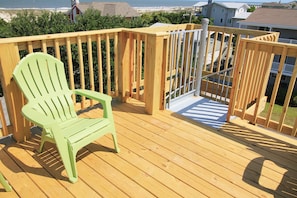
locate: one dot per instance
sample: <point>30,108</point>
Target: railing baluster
<point>44,46</point>
<point>3,121</point>
<point>99,56</point>
<point>57,49</point>
<point>108,66</point>
<point>288,97</point>
<point>139,62</point>
<point>70,66</point>
<point>81,69</point>
<point>116,64</point>
<point>91,66</point>
<point>276,86</point>
<point>30,47</point>
<point>181,65</point>
<point>294,131</point>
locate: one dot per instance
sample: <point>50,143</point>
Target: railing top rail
<point>145,31</point>
<point>275,46</point>
<point>280,44</point>
<point>231,30</point>
<point>217,73</point>
<point>158,30</point>
<point>58,35</point>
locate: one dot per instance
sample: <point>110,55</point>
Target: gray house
<point>106,8</point>
<point>273,19</point>
<point>225,13</point>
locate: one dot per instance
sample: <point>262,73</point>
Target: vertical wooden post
<point>153,72</point>
<point>124,66</point>
<point>294,130</point>
<point>9,57</point>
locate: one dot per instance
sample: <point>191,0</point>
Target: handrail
<point>120,62</point>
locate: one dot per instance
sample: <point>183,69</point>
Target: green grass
<point>276,113</point>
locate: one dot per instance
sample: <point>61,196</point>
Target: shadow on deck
<point>213,114</point>
<point>202,110</point>
<point>165,155</point>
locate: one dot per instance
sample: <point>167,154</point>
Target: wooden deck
<point>164,155</point>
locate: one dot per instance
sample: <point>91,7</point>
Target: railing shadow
<point>202,110</point>
<point>281,155</point>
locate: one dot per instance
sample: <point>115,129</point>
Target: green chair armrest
<point>105,100</point>
<point>93,95</point>
<point>37,118</point>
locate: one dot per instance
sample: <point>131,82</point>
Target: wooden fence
<point>254,61</point>
<point>120,62</point>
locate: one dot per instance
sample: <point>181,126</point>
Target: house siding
<point>221,15</point>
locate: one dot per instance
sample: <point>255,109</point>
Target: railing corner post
<point>153,72</point>
<point>9,57</point>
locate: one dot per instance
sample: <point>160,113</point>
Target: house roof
<point>158,24</point>
<point>275,18</point>
<point>110,8</point>
<point>230,5</point>
<point>200,4</point>
<point>242,15</point>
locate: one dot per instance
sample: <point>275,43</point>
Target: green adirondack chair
<point>41,77</point>
<point>4,183</point>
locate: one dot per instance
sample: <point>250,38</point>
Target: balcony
<point>162,153</point>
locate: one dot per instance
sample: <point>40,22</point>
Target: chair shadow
<point>49,159</point>
<point>270,149</point>
<point>286,187</point>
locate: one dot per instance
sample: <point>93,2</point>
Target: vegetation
<point>28,23</point>
<point>277,111</point>
<point>251,9</point>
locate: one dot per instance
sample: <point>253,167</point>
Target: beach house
<point>106,8</point>
<point>225,13</point>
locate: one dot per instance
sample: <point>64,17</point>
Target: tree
<point>92,19</point>
<point>27,23</point>
<point>251,9</point>
<point>4,29</point>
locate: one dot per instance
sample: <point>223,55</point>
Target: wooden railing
<point>252,71</point>
<point>120,62</point>
<point>114,62</point>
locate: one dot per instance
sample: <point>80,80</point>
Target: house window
<point>223,10</point>
<point>264,28</point>
<point>290,60</point>
<point>221,20</point>
<point>229,20</point>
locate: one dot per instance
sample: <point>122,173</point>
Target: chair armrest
<point>104,99</point>
<point>37,118</point>
<point>93,95</point>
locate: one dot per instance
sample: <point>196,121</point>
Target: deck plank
<point>185,157</point>
<point>21,183</point>
<point>165,155</point>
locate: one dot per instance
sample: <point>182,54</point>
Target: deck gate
<point>182,64</point>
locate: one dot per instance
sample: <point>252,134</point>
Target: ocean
<point>134,3</point>
<point>67,3</point>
